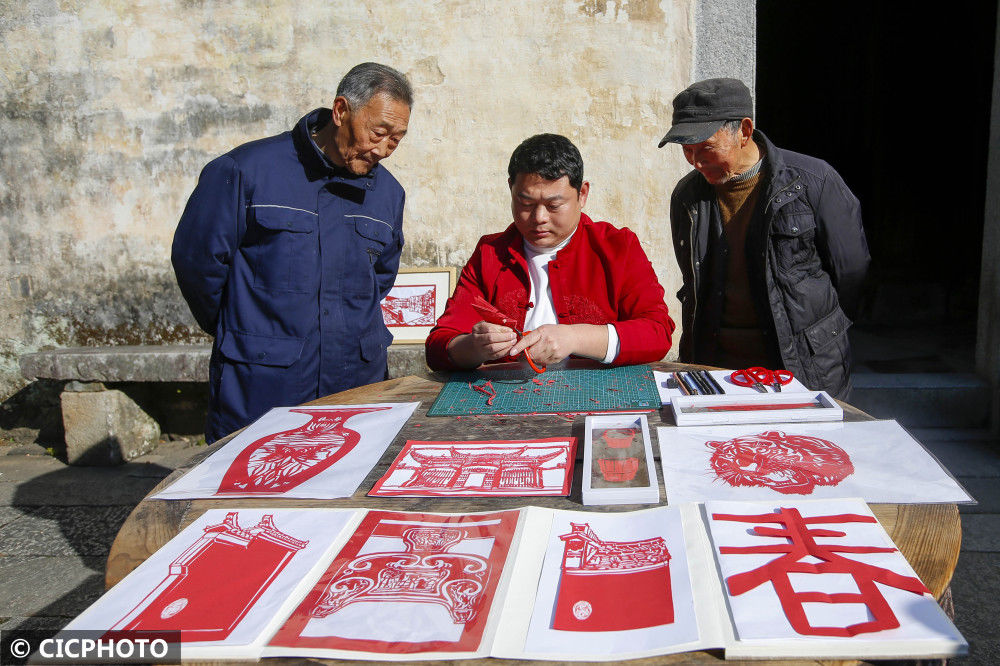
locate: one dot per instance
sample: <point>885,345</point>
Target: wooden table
<point>928,535</point>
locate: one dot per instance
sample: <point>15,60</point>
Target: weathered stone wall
<point>111,108</point>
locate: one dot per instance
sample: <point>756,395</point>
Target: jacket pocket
<point>283,244</point>
<point>828,330</point>
<point>793,238</point>
<point>373,346</point>
<point>372,236</point>
<point>268,350</point>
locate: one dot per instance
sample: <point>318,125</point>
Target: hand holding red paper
<point>491,315</point>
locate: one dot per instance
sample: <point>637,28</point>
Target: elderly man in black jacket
<point>769,242</point>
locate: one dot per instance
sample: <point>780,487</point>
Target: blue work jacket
<point>284,259</point>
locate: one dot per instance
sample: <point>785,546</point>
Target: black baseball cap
<point>702,108</point>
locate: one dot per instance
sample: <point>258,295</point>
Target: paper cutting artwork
<point>484,468</point>
<point>800,555</point>
<point>199,595</point>
<point>278,462</point>
<point>789,464</point>
<point>224,583</point>
<point>410,305</point>
<point>303,452</point>
<point>619,455</point>
<point>405,583</point>
<point>821,578</point>
<point>609,586</point>
<point>878,461</point>
<point>612,586</point>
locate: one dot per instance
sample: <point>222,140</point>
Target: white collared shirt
<point>541,309</point>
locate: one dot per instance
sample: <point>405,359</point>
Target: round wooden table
<point>928,535</point>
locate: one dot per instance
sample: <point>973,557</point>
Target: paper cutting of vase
<point>612,585</point>
<point>483,468</point>
<point>406,583</point>
<point>278,462</point>
<point>316,452</point>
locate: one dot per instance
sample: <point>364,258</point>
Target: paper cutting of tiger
<point>789,464</point>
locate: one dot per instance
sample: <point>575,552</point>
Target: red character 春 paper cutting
<point>215,582</point>
<point>612,585</point>
<point>281,461</point>
<point>789,464</point>
<point>803,555</point>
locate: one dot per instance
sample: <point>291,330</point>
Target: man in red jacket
<point>576,287</point>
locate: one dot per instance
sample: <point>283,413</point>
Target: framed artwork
<point>415,302</point>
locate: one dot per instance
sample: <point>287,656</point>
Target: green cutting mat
<point>521,391</point>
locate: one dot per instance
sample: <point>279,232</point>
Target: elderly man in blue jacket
<point>286,247</point>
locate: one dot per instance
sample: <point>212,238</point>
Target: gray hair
<point>732,126</point>
<point>366,80</point>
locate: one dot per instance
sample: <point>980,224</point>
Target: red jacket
<point>601,277</point>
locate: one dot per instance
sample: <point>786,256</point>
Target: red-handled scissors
<point>488,312</point>
<point>759,378</point>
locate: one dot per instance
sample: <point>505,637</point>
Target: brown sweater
<point>741,341</point>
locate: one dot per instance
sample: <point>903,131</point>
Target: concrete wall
<point>111,108</point>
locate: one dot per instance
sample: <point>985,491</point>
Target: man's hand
<point>552,343</point>
<point>486,342</point>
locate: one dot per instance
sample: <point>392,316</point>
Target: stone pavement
<point>57,523</point>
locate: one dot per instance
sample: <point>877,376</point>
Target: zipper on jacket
<point>694,276</point>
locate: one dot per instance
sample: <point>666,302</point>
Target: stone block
<point>105,428</point>
<point>407,359</point>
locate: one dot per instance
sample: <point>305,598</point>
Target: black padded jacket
<point>807,258</point>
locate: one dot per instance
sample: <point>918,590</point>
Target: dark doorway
<point>898,101</point>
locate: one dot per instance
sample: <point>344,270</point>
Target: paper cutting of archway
<point>481,468</point>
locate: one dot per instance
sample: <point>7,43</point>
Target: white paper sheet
<point>298,452</point>
<point>664,382</point>
<point>762,623</point>
<point>875,460</point>
<point>526,629</point>
<point>167,589</point>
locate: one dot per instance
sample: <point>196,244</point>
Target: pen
<point>703,387</point>
<point>680,384</point>
<point>708,376</point>
<point>691,385</point>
